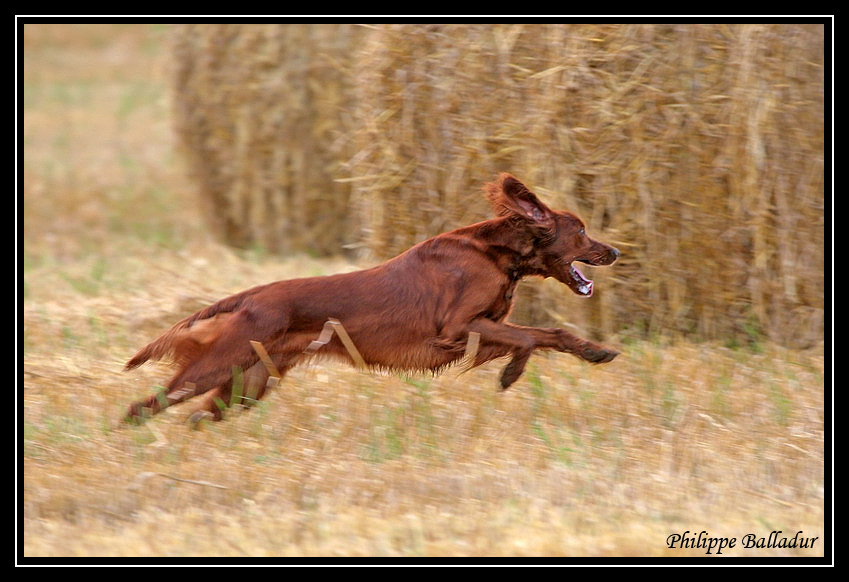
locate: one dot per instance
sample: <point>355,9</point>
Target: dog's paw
<point>599,356</point>
<point>136,414</point>
<point>197,417</point>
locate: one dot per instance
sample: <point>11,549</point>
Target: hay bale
<point>259,113</point>
<point>696,149</point>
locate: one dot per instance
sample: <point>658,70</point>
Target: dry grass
<point>573,460</point>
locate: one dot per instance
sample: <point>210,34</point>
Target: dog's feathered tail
<point>192,335</point>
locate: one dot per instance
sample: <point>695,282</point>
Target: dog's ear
<point>509,196</point>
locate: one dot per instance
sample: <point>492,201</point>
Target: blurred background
<point>166,166</point>
<point>695,149</point>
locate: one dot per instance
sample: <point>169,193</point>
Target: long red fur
<point>413,312</point>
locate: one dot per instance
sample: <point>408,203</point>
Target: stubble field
<point>574,460</point>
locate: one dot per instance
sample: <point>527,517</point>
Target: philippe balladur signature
<point>705,541</point>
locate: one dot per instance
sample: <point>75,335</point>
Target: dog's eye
<point>582,233</point>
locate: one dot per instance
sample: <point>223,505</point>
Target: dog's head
<point>559,237</point>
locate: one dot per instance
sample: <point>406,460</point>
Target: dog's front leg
<point>499,339</point>
<point>584,349</point>
<point>563,341</point>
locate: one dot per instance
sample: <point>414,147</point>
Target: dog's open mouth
<point>578,283</point>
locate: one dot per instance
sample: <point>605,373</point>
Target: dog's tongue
<point>583,285</point>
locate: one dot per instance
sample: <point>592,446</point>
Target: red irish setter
<point>413,312</point>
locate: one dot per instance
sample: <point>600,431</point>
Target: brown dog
<point>413,312</point>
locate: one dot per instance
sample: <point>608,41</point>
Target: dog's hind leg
<point>158,402</point>
<point>245,389</point>
<point>211,369</point>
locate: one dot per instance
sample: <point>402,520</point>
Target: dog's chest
<point>504,301</point>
